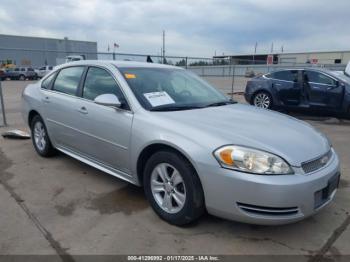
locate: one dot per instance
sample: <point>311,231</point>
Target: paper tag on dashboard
<point>159,98</point>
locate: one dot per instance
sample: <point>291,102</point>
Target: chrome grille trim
<point>318,163</point>
<point>268,211</point>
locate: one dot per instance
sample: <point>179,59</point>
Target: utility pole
<point>255,47</point>
<point>272,48</point>
<point>163,47</point>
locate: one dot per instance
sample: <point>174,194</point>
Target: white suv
<point>42,71</point>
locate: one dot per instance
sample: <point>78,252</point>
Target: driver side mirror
<point>341,84</point>
<point>110,100</point>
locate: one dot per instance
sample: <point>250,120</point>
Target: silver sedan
<point>190,147</point>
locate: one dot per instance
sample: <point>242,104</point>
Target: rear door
<point>105,132</point>
<point>59,103</point>
<point>322,90</point>
<point>287,86</point>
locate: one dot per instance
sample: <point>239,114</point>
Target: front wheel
<point>262,100</point>
<point>173,188</point>
<point>22,78</point>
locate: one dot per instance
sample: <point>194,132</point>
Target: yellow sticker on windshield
<point>130,76</point>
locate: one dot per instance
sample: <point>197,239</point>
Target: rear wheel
<point>40,138</point>
<point>173,188</point>
<point>263,100</point>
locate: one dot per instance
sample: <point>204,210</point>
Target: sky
<point>192,27</point>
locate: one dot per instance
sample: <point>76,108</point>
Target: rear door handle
<point>46,99</point>
<point>83,110</point>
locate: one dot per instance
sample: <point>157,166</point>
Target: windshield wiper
<point>173,108</point>
<point>222,103</point>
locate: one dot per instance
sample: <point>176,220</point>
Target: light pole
<point>163,49</point>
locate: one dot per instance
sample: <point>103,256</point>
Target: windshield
<point>159,89</point>
<point>341,76</point>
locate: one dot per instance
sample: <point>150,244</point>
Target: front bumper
<point>268,200</point>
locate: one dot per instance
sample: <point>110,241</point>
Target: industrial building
<point>39,51</point>
<point>321,58</point>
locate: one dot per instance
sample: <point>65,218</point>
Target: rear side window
<point>286,75</point>
<point>47,82</point>
<point>98,82</point>
<point>68,79</point>
<point>317,77</point>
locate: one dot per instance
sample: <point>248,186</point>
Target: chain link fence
<point>2,108</point>
<point>227,74</point>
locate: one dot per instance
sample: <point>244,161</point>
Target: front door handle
<point>83,110</point>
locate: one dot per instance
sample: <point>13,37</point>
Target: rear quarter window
<point>46,83</point>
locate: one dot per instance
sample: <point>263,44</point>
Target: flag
<point>116,45</point>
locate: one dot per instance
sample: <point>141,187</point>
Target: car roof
<point>119,64</point>
<point>319,69</point>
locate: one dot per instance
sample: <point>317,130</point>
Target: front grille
<point>268,211</point>
<point>317,164</point>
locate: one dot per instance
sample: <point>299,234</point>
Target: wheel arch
<point>150,149</point>
<point>31,115</point>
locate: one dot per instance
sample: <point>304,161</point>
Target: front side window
<point>286,75</point>
<point>170,88</point>
<point>318,78</point>
<point>98,82</point>
<point>68,79</point>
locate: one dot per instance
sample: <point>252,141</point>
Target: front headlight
<point>252,161</point>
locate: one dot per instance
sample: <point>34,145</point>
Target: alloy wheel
<point>40,136</point>
<point>262,100</point>
<point>168,188</point>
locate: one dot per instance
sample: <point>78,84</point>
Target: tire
<point>186,188</point>
<point>262,99</point>
<point>40,138</point>
<point>22,78</point>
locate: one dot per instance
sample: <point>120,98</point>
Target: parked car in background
<point>22,73</point>
<point>42,71</point>
<point>308,88</point>
<point>190,147</point>
<point>2,74</point>
<point>72,58</point>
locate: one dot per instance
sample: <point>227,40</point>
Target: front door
<point>105,131</point>
<point>322,90</point>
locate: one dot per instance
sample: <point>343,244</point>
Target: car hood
<point>238,124</point>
